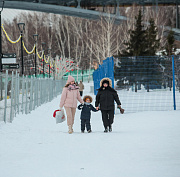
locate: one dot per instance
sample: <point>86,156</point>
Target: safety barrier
<point>150,83</point>
<point>23,94</point>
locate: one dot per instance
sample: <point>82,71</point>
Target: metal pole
<point>5,103</point>
<point>82,74</point>
<point>117,10</point>
<point>156,7</point>
<point>35,59</point>
<point>173,73</point>
<point>0,47</point>
<point>31,94</point>
<point>15,97</point>
<point>18,92</point>
<point>177,15</point>
<point>22,105</point>
<point>54,70</point>
<point>43,66</point>
<point>12,97</point>
<point>26,87</point>
<point>1,42</point>
<point>22,72</point>
<point>49,69</point>
<point>1,55</point>
<point>79,4</point>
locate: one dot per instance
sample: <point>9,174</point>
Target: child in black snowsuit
<point>86,108</point>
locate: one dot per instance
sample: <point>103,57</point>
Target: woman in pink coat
<point>70,96</point>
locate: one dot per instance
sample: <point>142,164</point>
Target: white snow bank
<point>142,144</point>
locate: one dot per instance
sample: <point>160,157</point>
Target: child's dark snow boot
<point>89,131</point>
<point>110,128</point>
<point>106,130</point>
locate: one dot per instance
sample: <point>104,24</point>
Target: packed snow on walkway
<point>143,144</point>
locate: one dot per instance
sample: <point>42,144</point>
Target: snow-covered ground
<point>143,144</point>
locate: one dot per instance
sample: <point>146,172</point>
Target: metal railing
<point>23,94</point>
<point>150,83</point>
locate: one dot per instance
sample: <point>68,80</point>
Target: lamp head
<point>35,37</point>
<point>21,27</point>
<point>43,45</point>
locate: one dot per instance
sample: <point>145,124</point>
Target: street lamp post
<point>54,55</point>
<point>1,52</point>
<point>35,37</point>
<point>43,47</point>
<point>21,29</point>
<point>49,51</point>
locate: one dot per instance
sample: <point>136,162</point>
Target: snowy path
<point>142,144</point>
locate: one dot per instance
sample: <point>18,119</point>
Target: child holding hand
<point>86,109</point>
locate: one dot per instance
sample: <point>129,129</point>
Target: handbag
<point>59,116</point>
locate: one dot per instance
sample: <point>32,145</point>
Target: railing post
<point>38,95</point>
<point>5,103</point>
<point>173,73</point>
<point>34,92</point>
<point>18,92</point>
<point>26,105</point>
<point>31,95</point>
<point>22,105</point>
<point>79,4</point>
<point>15,96</point>
<point>12,97</point>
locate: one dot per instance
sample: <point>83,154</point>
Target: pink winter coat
<point>69,98</point>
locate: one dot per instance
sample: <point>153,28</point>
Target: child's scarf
<point>72,87</point>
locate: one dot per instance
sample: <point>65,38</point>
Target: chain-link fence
<point>23,94</point>
<point>80,75</point>
<point>147,84</point>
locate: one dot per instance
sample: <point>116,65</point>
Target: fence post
<point>12,97</point>
<point>38,95</point>
<point>173,73</point>
<point>15,95</point>
<point>18,80</point>
<point>31,95</point>
<point>26,105</point>
<point>34,94</point>
<point>5,103</point>
<point>41,92</point>
<point>22,105</point>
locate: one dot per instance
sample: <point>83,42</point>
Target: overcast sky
<point>9,14</point>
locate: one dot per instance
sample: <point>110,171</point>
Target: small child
<point>87,107</point>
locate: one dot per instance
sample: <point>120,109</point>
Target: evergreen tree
<point>136,69</point>
<point>170,47</point>
<point>153,44</point>
<point>151,36</point>
<point>136,46</point>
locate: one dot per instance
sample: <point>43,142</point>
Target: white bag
<point>60,116</point>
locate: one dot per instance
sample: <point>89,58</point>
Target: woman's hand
<point>121,109</point>
<point>97,108</point>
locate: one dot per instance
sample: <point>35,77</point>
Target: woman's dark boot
<point>106,130</point>
<point>110,128</point>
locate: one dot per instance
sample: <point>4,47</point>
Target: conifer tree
<point>151,36</point>
<point>136,46</point>
<point>170,47</point>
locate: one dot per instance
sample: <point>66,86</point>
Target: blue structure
<point>66,7</point>
<point>174,87</point>
<point>104,70</point>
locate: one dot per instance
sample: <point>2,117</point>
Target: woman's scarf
<point>72,87</point>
